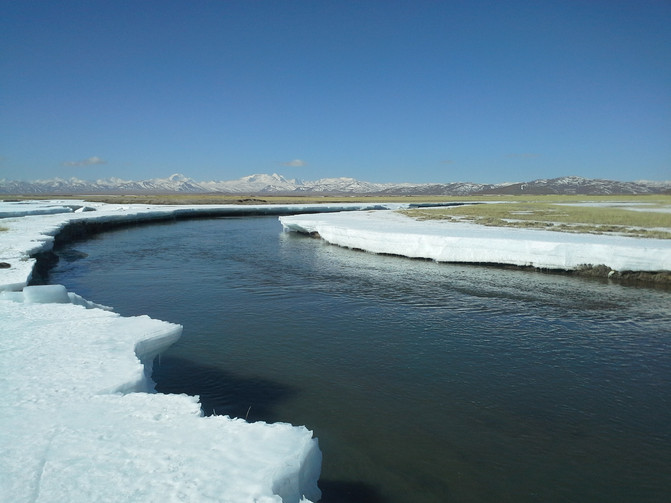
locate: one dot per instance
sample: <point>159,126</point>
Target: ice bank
<point>79,420</point>
<point>394,233</point>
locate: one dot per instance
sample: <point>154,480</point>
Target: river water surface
<point>424,382</point>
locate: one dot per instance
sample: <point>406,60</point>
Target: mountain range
<point>278,184</point>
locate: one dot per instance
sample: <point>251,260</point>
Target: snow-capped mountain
<point>174,183</point>
<point>278,184</point>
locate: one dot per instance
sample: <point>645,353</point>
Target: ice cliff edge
<point>79,420</point>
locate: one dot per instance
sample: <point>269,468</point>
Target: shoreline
<point>48,368</point>
<point>73,219</point>
<point>644,262</point>
<point>86,224</point>
<point>81,405</point>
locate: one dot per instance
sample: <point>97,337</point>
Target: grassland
<point>638,216</point>
<point>632,215</point>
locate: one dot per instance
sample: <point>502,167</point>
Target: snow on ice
<point>394,233</point>
<point>78,423</point>
<point>79,418</point>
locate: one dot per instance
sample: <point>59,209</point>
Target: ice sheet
<point>394,233</point>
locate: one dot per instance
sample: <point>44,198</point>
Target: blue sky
<point>384,91</point>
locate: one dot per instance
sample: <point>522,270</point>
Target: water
<point>424,382</point>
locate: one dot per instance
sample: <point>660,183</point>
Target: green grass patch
<point>638,216</point>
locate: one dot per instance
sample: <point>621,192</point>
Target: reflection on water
<point>424,382</point>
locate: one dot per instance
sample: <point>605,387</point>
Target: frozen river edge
<point>79,419</point>
<point>392,233</point>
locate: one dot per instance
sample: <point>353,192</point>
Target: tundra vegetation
<point>632,215</point>
<point>636,216</point>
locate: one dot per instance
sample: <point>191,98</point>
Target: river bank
<point>635,260</point>
<point>95,390</point>
<point>79,416</point>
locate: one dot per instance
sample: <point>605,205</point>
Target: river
<point>424,382</point>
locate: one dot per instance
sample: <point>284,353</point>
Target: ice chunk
<point>46,294</point>
<point>49,294</point>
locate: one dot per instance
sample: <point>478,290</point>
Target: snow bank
<point>78,425</point>
<point>394,233</point>
<point>79,420</point>
<point>30,231</point>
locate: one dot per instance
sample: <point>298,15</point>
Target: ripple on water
<point>424,382</point>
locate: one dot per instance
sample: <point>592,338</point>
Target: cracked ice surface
<point>79,420</point>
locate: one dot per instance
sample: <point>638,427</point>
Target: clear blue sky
<point>385,91</point>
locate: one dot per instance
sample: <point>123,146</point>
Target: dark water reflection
<point>424,382</point>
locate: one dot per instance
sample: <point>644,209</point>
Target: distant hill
<point>278,184</point>
<point>578,185</point>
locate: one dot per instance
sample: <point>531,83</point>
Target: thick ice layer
<point>72,428</point>
<point>79,421</point>
<point>393,233</point>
